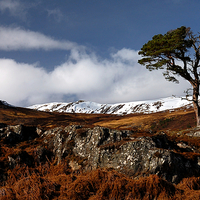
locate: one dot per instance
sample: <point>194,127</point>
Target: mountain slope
<point>150,106</point>
<point>179,119</point>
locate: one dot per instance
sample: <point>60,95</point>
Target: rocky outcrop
<point>21,157</point>
<point>104,148</point>
<point>91,148</point>
<point>18,133</point>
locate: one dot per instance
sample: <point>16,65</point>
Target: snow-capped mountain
<point>119,108</point>
<point>4,103</point>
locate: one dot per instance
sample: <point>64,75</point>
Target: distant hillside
<point>4,103</point>
<point>150,106</point>
<point>53,155</point>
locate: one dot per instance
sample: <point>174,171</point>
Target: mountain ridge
<point>148,106</point>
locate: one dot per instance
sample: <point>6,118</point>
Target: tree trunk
<point>197,113</point>
<point>196,104</point>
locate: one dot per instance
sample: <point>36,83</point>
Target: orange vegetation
<point>51,181</point>
<point>57,182</point>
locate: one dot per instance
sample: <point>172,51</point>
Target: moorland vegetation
<point>45,178</point>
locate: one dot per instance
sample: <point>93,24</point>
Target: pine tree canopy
<point>163,51</point>
<point>172,52</point>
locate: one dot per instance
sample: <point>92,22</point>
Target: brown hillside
<point>176,120</point>
<point>57,181</point>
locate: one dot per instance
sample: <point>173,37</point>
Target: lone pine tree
<point>166,51</point>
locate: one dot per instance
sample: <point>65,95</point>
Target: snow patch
<point>148,106</point>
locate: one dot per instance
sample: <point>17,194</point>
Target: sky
<point>63,51</point>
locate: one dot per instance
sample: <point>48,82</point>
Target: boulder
<point>19,133</point>
<point>42,154</point>
<point>100,147</point>
<point>87,149</point>
<point>20,158</point>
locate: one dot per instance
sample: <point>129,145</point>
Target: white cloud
<point>19,39</point>
<point>118,79</point>
<point>15,8</point>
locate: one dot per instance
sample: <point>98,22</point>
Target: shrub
<point>7,193</point>
<point>192,183</point>
<point>34,187</point>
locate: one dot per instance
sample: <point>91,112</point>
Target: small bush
<point>153,187</point>
<point>34,187</point>
<point>7,194</point>
<point>192,183</point>
<point>106,185</point>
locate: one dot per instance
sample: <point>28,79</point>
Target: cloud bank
<point>84,76</point>
<point>15,38</point>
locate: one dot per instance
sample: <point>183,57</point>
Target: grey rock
<point>194,132</point>
<point>91,148</point>
<point>19,133</point>
<point>21,157</point>
<point>12,162</point>
<point>105,148</point>
<point>42,154</point>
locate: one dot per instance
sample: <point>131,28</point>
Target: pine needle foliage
<point>171,53</point>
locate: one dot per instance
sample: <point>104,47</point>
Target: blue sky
<point>68,50</point>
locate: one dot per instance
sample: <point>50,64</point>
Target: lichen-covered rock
<point>105,148</point>
<point>194,132</point>
<point>21,157</point>
<point>91,148</point>
<point>42,154</point>
<point>18,133</point>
